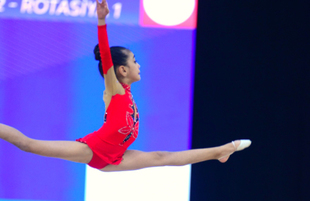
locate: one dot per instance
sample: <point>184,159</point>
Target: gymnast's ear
<point>122,70</point>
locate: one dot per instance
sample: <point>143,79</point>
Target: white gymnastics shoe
<point>243,144</point>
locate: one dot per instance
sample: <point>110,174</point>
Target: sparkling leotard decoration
<point>132,119</point>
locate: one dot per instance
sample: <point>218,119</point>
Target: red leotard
<point>120,128</point>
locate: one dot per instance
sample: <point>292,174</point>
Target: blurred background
<point>50,89</point>
<point>252,81</point>
<point>244,73</point>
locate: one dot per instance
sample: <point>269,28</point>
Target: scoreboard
<point>148,13</point>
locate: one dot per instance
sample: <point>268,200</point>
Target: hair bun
<point>97,53</point>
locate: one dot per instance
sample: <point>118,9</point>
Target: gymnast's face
<point>133,68</point>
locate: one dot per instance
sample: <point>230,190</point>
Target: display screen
<point>50,89</point>
<point>69,10</point>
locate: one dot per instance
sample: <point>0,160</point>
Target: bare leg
<point>133,160</point>
<point>67,150</point>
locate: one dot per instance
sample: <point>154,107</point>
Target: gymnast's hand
<point>102,9</point>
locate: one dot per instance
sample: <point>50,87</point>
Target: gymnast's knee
<point>161,157</point>
<point>25,145</point>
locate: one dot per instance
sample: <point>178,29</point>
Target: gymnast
<point>106,149</point>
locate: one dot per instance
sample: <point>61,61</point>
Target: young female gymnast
<point>106,149</point>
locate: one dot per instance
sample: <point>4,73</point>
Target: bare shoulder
<point>107,95</point>
<point>112,85</point>
<point>119,89</point>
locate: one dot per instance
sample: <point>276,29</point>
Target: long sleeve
<point>104,48</point>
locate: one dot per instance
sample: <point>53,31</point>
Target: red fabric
<point>104,49</point>
<point>118,132</point>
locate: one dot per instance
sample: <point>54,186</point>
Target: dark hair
<point>119,57</point>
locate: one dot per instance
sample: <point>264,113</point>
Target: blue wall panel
<point>50,89</point>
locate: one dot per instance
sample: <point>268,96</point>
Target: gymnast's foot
<point>230,148</point>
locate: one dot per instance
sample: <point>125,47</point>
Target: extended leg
<point>133,159</point>
<point>68,150</point>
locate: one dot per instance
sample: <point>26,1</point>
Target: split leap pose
<point>106,149</point>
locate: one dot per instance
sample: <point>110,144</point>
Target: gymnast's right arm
<point>111,82</point>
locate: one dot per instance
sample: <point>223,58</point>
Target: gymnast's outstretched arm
<point>112,85</point>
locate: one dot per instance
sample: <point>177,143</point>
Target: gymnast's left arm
<point>112,85</point>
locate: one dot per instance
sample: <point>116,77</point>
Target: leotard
<point>121,124</point>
